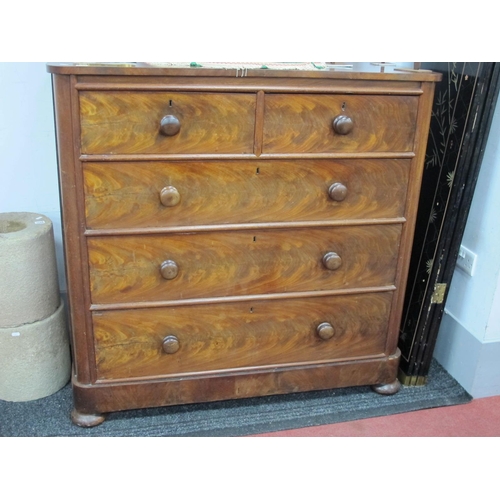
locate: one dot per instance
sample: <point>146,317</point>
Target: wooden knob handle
<point>169,269</point>
<point>332,261</point>
<point>170,344</point>
<point>325,331</point>
<point>170,125</point>
<point>169,196</point>
<point>342,124</point>
<point>337,191</point>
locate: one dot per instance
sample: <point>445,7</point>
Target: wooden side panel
<point>129,122</point>
<point>126,195</point>
<point>127,269</point>
<point>243,335</point>
<point>71,193</point>
<point>303,123</point>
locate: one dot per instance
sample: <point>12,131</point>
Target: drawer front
<point>121,195</point>
<point>179,340</point>
<point>130,122</point>
<point>220,264</point>
<point>304,123</point>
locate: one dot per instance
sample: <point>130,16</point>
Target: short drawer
<point>194,339</point>
<point>164,123</point>
<point>339,123</point>
<point>154,194</point>
<point>235,263</point>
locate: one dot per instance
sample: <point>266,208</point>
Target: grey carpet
<point>51,416</point>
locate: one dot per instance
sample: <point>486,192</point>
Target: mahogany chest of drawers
<point>230,237</point>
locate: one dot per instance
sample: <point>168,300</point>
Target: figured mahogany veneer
<point>131,122</point>
<point>227,263</point>
<point>121,195</point>
<point>306,124</point>
<point>230,237</point>
<point>239,335</point>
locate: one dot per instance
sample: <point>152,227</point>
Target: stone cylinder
<point>29,290</point>
<point>34,358</point>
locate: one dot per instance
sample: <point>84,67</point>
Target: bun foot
<point>86,420</point>
<point>387,389</point>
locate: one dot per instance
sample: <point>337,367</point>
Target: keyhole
<point>170,103</point>
<point>343,106</point>
<point>255,238</point>
<point>257,171</point>
<point>251,309</point>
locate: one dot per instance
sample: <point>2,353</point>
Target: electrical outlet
<point>466,260</point>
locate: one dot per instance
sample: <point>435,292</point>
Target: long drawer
<point>153,194</point>
<point>134,122</point>
<point>219,264</point>
<point>186,339</point>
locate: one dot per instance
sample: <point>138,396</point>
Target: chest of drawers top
<point>266,112</point>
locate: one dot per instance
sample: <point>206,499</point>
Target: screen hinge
<point>438,295</point>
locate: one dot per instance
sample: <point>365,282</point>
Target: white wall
<point>471,297</point>
<point>28,165</point>
<point>468,343</point>
<point>493,326</point>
